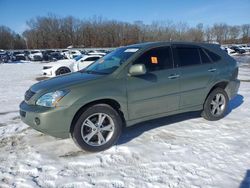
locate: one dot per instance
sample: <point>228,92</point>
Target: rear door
<point>196,72</point>
<point>157,91</point>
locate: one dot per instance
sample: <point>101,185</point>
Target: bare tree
<point>220,32</point>
<point>208,34</point>
<point>245,33</point>
<point>10,40</point>
<point>59,32</point>
<point>234,33</point>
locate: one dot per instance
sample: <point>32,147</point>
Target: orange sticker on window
<point>154,60</point>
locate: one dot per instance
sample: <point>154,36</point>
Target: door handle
<point>174,76</point>
<point>211,70</point>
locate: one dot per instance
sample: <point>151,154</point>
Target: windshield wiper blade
<point>92,72</point>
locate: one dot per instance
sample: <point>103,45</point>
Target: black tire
<point>79,128</point>
<point>211,107</point>
<point>62,70</point>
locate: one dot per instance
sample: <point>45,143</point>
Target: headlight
<point>52,98</point>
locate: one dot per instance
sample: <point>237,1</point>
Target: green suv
<point>130,85</point>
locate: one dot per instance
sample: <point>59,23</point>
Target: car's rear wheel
<point>62,70</point>
<point>98,128</point>
<point>216,104</point>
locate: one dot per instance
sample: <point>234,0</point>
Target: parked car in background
<point>26,53</point>
<point>52,55</point>
<point>84,52</point>
<point>18,56</point>
<point>96,52</point>
<point>246,47</point>
<point>68,65</point>
<point>238,49</point>
<point>229,50</point>
<point>130,85</point>
<point>4,57</point>
<point>47,54</point>
<point>64,52</point>
<point>35,55</point>
<point>70,54</point>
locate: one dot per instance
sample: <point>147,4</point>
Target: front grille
<point>28,95</point>
<point>22,113</point>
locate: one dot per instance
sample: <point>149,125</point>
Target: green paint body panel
<point>141,98</point>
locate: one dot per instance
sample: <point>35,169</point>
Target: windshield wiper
<point>92,72</point>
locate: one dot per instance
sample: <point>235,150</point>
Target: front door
<point>157,91</point>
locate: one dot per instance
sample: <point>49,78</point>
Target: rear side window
<point>204,57</point>
<point>187,56</point>
<point>156,59</point>
<point>213,56</point>
<point>92,58</point>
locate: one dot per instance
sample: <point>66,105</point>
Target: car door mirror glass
<point>138,69</point>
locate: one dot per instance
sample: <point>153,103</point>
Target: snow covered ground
<point>178,151</point>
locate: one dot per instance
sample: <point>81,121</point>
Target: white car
<point>230,51</point>
<point>70,54</point>
<point>35,55</point>
<point>95,52</point>
<point>68,65</point>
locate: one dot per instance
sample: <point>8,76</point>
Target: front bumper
<point>232,88</point>
<point>48,72</point>
<point>52,121</point>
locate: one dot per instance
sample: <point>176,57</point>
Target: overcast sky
<point>15,13</point>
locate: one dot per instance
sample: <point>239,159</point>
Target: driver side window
<point>156,59</point>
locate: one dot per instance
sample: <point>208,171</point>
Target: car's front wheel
<point>216,104</point>
<point>98,128</point>
<point>62,70</point>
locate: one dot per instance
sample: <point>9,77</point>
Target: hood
<point>61,62</point>
<point>64,81</point>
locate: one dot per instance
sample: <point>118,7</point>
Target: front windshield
<point>111,61</point>
<point>77,58</point>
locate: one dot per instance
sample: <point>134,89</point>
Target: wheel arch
<point>58,68</point>
<point>222,84</point>
<point>113,103</point>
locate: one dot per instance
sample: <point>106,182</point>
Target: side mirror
<point>138,69</point>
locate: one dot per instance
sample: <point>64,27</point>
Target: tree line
<point>10,40</point>
<point>59,32</point>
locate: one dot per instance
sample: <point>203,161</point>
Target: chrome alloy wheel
<point>97,129</point>
<point>218,104</point>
